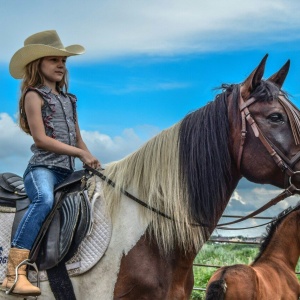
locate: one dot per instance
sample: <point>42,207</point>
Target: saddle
<point>66,225</point>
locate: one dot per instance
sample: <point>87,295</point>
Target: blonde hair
<point>33,77</point>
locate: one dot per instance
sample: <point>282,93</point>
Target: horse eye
<point>276,118</point>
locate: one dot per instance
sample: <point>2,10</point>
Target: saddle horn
<point>279,77</point>
<point>253,79</point>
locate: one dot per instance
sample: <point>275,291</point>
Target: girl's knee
<point>47,202</point>
<point>44,202</point>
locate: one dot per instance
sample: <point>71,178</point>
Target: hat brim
<point>30,53</point>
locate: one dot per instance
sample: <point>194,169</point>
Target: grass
<point>219,254</point>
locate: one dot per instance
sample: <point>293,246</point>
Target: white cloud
<point>236,196</point>
<point>14,146</point>
<point>10,135</point>
<point>109,149</point>
<point>159,27</point>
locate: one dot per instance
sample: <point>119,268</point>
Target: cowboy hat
<point>41,44</point>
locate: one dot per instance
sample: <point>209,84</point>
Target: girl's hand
<point>88,159</point>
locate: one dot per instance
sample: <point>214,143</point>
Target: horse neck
<point>284,246</point>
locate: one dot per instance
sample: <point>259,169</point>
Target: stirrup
<point>24,262</point>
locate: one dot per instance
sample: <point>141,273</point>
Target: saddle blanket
<point>90,250</point>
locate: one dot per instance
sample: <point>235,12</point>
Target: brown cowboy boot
<point>23,286</point>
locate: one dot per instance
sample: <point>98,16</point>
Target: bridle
<point>280,159</point>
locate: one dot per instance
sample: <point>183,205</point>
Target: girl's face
<point>53,68</point>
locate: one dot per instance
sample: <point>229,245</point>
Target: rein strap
<point>113,184</point>
<point>286,193</point>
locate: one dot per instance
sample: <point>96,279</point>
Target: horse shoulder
<point>145,273</point>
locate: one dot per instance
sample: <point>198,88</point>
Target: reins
<point>274,201</point>
<point>264,224</point>
<point>286,193</point>
<point>113,184</point>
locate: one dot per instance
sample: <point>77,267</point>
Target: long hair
<point>162,171</point>
<point>33,77</point>
<point>205,159</point>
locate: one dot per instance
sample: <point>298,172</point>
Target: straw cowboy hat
<point>41,44</point>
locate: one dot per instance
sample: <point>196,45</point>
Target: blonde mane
<point>152,174</point>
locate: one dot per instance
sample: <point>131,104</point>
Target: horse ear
<point>253,79</point>
<point>279,77</point>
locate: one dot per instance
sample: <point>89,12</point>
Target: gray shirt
<point>59,117</point>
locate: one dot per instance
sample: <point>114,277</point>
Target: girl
<point>48,113</point>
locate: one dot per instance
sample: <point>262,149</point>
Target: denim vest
<point>59,117</point>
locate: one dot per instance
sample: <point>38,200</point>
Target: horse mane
<point>205,160</point>
<point>162,173</point>
<point>183,172</point>
<point>272,228</point>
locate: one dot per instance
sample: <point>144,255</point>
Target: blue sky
<point>147,64</point>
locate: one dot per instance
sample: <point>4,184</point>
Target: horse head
<point>265,137</point>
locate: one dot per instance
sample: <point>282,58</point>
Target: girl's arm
<point>33,105</point>
<point>80,143</point>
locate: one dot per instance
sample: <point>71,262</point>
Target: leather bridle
<point>286,165</point>
<point>280,159</point>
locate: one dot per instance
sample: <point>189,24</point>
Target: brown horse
<point>272,274</point>
<point>186,175</point>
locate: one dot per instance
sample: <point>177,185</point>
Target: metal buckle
<point>290,181</point>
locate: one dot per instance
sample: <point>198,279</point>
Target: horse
<point>272,273</point>
<point>185,176</point>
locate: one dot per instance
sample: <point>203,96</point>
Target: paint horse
<point>272,274</point>
<point>185,176</point>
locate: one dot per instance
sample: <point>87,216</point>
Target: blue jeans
<point>39,184</point>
